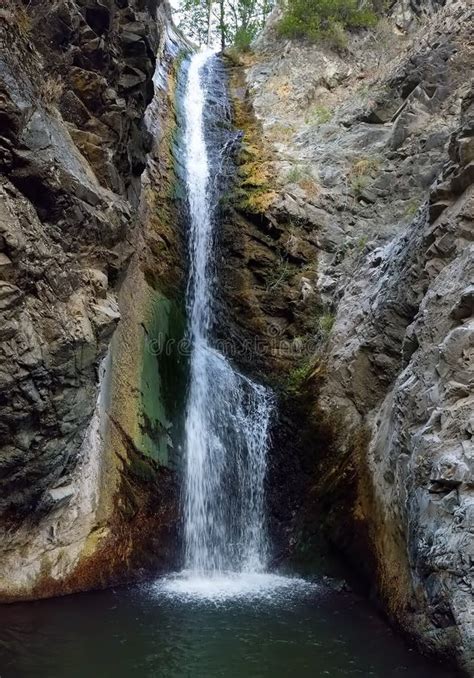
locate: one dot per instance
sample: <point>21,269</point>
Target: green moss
<point>318,115</point>
<point>254,191</point>
<point>412,207</point>
<point>142,469</point>
<point>163,381</point>
<point>326,323</point>
<point>254,201</point>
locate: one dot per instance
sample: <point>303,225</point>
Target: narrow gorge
<point>236,342</point>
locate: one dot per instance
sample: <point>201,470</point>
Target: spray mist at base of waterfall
<point>221,588</point>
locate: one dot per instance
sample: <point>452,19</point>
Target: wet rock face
<point>370,154</point>
<point>267,257</point>
<point>405,369</point>
<point>75,80</point>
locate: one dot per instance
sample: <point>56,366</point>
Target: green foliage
<point>358,183</point>
<point>298,173</point>
<point>193,18</point>
<point>361,173</point>
<point>412,207</point>
<point>326,323</point>
<point>226,22</point>
<point>303,176</point>
<point>242,20</point>
<point>299,375</point>
<point>318,115</point>
<point>280,275</point>
<point>325,19</point>
<point>362,242</point>
<point>337,35</point>
<point>244,36</point>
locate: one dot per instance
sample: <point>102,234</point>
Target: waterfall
<point>227,417</point>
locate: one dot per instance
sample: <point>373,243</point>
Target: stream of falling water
<point>227,415</point>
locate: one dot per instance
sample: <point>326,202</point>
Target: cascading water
<point>228,415</point>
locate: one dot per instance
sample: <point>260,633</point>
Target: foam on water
<point>225,587</point>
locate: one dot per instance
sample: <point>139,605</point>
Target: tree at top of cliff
<point>226,22</point>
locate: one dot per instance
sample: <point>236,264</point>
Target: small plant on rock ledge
<point>337,36</point>
<point>361,172</point>
<point>281,274</point>
<point>359,183</point>
<point>326,323</point>
<point>412,208</point>
<point>297,173</point>
<point>362,242</point>
<point>281,133</point>
<point>303,176</point>
<point>365,166</point>
<point>318,115</point>
<point>17,15</point>
<point>51,91</point>
<point>298,376</point>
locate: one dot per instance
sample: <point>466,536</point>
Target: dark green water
<point>145,632</point>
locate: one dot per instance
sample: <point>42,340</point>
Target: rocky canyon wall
<point>87,490</point>
<point>349,255</point>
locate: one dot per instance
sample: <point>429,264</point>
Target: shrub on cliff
<point>17,15</point>
<point>326,19</point>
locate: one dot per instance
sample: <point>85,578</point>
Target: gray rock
<point>68,215</point>
<point>395,263</point>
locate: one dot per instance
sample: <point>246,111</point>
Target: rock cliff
<point>355,210</point>
<point>85,481</point>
